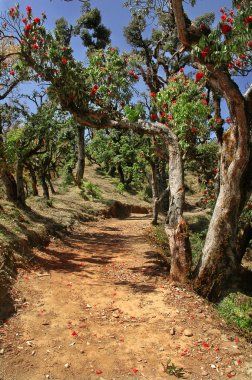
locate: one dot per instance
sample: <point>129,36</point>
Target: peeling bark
<point>80,168</point>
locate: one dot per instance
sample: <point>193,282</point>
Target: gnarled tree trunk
<point>176,227</point>
<point>20,183</point>
<point>80,168</point>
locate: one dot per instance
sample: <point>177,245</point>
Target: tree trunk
<point>44,186</point>
<point>154,187</point>
<point>48,178</point>
<point>80,168</point>
<point>20,183</point>
<point>176,227</point>
<point>120,173</point>
<point>220,259</point>
<point>164,202</point>
<point>33,180</point>
<point>9,184</point>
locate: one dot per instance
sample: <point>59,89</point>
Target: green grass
<point>235,308</point>
<point>161,240</point>
<point>90,191</point>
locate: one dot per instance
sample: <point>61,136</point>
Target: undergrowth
<point>90,191</point>
<point>236,308</point>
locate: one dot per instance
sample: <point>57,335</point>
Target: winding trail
<point>99,306</point>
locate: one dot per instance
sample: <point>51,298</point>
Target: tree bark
<point>80,168</point>
<point>176,227</point>
<point>20,183</point>
<point>44,186</point>
<point>49,181</point>
<point>9,184</point>
<point>33,180</point>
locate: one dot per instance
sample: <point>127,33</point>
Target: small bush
<point>145,194</point>
<point>236,308</point>
<point>90,191</point>
<point>120,188</point>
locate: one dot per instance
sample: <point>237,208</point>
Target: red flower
<point>94,90</point>
<point>229,375</point>
<point>134,370</point>
<point>110,78</point>
<point>36,20</point>
<point>154,116</point>
<point>205,344</point>
<point>153,94</point>
<point>64,61</point>
<point>223,17</point>
<point>181,70</point>
<point>98,372</point>
<point>162,114</point>
<point>28,8</point>
<point>218,120</point>
<point>203,101</point>
<point>199,76</point>
<point>228,120</point>
<point>24,20</point>
<point>204,53</point>
<point>248,20</point>
<point>169,117</point>
<point>12,72</point>
<point>74,333</point>
<point>221,10</point>
<point>35,46</point>
<point>225,28</point>
<point>249,43</point>
<point>131,73</point>
<point>28,27</point>
<point>136,76</point>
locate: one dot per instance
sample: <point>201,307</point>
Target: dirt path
<point>100,307</point>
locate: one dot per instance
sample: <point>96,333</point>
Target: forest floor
<point>98,305</point>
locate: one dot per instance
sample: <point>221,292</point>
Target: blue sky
<point>115,16</point>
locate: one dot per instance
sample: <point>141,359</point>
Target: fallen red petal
<point>98,372</point>
<point>134,370</point>
<point>74,333</point>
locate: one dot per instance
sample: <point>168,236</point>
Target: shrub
<point>90,191</point>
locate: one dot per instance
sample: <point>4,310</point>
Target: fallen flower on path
<point>74,333</point>
<point>98,372</point>
<point>134,370</point>
<point>205,345</point>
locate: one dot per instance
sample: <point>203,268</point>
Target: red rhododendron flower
<point>12,72</point>
<point>24,20</point>
<point>205,344</point>
<point>223,17</point>
<point>28,8</point>
<point>154,116</point>
<point>64,61</point>
<point>98,372</point>
<point>218,120</point>
<point>36,20</point>
<point>181,70</point>
<point>229,375</point>
<point>169,117</point>
<point>248,20</point>
<point>199,76</point>
<point>225,28</point>
<point>131,73</point>
<point>204,53</point>
<point>228,120</point>
<point>203,101</point>
<point>221,10</point>
<point>162,114</point>
<point>153,94</point>
<point>74,333</point>
<point>28,27</point>
<point>134,370</point>
<point>136,76</point>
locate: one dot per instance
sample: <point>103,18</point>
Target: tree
<point>219,261</point>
